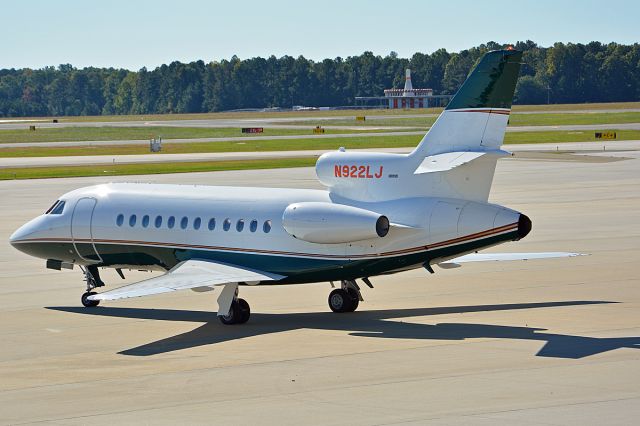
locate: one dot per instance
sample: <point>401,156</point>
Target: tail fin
<point>477,116</point>
<point>470,131</point>
<point>456,158</point>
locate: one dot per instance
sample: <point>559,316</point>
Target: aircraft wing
<point>497,257</point>
<point>189,274</point>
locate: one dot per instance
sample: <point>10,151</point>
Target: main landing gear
<point>347,297</point>
<point>239,313</point>
<point>92,278</point>
<point>232,309</point>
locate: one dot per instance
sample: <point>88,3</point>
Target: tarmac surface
<point>545,342</point>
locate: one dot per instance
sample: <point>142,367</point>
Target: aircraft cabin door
<point>81,233</point>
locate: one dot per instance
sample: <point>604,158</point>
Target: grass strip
<point>70,134</point>
<point>148,169</point>
<point>329,113</point>
<point>203,147</point>
<point>515,120</point>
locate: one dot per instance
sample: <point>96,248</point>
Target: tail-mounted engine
<point>328,223</point>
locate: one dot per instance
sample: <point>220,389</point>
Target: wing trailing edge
<point>190,274</point>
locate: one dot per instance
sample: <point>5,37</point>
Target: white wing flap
<point>189,274</point>
<point>498,257</point>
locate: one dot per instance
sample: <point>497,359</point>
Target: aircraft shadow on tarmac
<point>375,323</point>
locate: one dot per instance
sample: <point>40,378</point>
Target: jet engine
<point>327,223</point>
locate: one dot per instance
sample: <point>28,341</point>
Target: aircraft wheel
<point>355,300</point>
<point>238,314</point>
<point>340,301</point>
<point>245,311</point>
<point>89,303</point>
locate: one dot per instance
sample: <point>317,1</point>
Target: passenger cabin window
<point>158,221</point>
<point>196,223</point>
<point>184,222</point>
<point>120,220</point>
<point>267,226</point>
<point>253,226</point>
<point>171,222</point>
<point>212,224</point>
<point>226,224</point>
<point>132,220</point>
<point>145,220</point>
<point>240,225</point>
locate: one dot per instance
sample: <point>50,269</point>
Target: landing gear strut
<point>346,298</point>
<point>92,278</point>
<point>232,309</point>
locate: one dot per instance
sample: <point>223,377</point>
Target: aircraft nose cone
<point>20,234</point>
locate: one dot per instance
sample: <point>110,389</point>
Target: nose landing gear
<point>92,278</point>
<point>89,303</point>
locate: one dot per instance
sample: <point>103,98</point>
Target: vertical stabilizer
<point>474,122</point>
<point>456,158</point>
<point>477,116</point>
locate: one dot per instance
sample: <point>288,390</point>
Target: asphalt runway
<point>544,342</point>
<point>263,155</point>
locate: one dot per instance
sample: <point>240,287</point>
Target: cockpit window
<point>52,207</point>
<point>56,208</point>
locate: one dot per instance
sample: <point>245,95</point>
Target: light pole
<point>548,94</point>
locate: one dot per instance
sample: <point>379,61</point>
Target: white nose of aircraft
<point>22,233</point>
<point>25,237</point>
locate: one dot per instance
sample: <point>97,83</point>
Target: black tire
<point>233,316</point>
<point>340,301</point>
<point>239,313</point>
<point>89,303</point>
<point>355,300</point>
<point>245,311</point>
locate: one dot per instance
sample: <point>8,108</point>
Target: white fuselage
<point>156,226</point>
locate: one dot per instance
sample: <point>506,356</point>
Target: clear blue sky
<point>132,33</point>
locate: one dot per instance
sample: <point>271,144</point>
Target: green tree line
<point>563,73</point>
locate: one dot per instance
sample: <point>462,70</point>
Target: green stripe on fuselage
<point>296,269</point>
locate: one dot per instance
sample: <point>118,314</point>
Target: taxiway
<point>535,343</point>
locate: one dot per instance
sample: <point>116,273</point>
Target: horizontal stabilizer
<point>450,160</point>
<point>498,257</point>
<point>193,274</point>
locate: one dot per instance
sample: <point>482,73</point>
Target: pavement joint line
<point>557,405</point>
<point>331,388</point>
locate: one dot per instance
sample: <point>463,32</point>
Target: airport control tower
<point>408,87</point>
<point>404,98</point>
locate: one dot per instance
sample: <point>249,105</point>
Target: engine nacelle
<point>327,223</point>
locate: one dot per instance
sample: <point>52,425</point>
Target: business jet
<point>380,213</point>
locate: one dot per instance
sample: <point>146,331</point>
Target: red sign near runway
<point>252,130</point>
